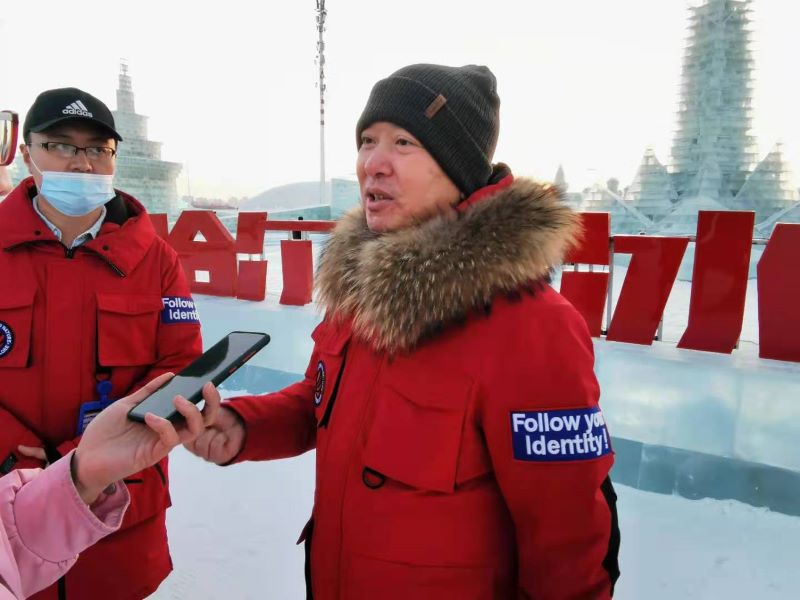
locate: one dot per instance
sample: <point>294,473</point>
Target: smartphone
<point>215,365</point>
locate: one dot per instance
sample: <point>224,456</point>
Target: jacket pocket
<point>16,322</point>
<point>417,432</point>
<point>127,329</point>
<point>149,490</point>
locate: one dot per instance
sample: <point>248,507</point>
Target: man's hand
<point>33,452</point>
<point>222,440</point>
<point>113,447</point>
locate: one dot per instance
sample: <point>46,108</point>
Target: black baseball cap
<point>63,104</point>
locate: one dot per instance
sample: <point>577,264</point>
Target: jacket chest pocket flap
<point>16,322</point>
<point>127,329</point>
<point>417,432</point>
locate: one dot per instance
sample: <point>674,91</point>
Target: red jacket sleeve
<point>281,424</point>
<point>555,495</point>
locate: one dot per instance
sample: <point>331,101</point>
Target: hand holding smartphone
<point>215,365</point>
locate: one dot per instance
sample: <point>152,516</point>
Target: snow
<point>705,549</point>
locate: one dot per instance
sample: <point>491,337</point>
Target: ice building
<point>651,192</point>
<point>768,190</point>
<point>625,218</point>
<point>714,162</point>
<point>140,170</point>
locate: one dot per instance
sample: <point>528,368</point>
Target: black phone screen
<point>215,365</point>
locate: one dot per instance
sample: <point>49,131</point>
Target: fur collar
<point>402,286</point>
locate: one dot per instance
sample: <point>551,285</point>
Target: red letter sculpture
<point>587,291</point>
<point>719,280</point>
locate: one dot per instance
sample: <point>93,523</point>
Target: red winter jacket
<point>69,318</point>
<point>452,402</point>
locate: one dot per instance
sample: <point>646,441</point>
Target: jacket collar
<point>403,286</point>
<point>125,237</point>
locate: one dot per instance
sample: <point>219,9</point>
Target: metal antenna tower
<point>321,15</point>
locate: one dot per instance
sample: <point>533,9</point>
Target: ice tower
<point>713,152</point>
<point>140,170</point>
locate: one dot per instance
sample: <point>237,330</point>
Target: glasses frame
<point>77,149</point>
<point>13,118</point>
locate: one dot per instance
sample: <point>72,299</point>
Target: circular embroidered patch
<point>319,387</point>
<point>6,339</point>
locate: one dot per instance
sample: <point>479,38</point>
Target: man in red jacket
<point>84,284</point>
<point>451,398</point>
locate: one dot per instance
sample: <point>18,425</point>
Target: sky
<point>230,88</point>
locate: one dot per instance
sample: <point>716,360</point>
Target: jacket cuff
<point>53,521</point>
<point>272,429</point>
<point>243,455</point>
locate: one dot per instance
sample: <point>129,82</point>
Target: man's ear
<point>26,157</point>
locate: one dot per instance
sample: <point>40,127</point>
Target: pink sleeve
<point>44,524</point>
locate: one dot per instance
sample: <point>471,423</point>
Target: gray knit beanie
<point>452,111</point>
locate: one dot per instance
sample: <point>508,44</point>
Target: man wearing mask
<point>84,278</point>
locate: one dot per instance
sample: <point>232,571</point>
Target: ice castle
<point>714,165</point>
<point>140,170</point>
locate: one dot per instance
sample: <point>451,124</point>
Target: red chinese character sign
<point>779,295</point>
<point>298,272</point>
<point>650,277</point>
<point>719,280</point>
<point>161,225</point>
<point>214,255</point>
<point>722,258</point>
<point>252,281</point>
<point>203,244</point>
<point>587,291</point>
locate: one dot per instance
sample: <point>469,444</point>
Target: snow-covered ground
<point>233,531</point>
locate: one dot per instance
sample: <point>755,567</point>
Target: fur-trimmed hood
<point>401,286</point>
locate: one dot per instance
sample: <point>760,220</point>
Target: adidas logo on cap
<point>77,108</point>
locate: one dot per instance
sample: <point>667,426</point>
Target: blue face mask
<point>76,194</point>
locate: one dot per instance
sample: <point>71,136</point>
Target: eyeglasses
<point>93,153</point>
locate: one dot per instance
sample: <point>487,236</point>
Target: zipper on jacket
<point>70,253</point>
<point>109,263</point>
<point>161,473</point>
<point>323,422</point>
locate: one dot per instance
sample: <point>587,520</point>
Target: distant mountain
<point>287,197</point>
